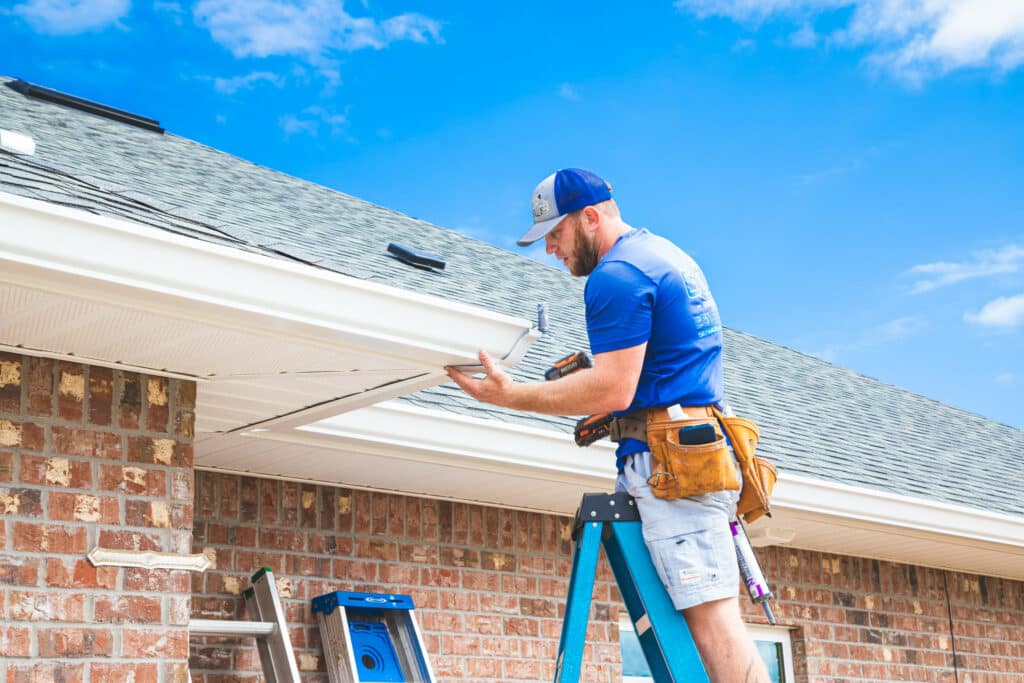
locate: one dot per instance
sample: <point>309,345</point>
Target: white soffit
<point>406,449</point>
<point>264,337</point>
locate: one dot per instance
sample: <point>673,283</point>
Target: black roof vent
<point>30,90</point>
<point>415,257</point>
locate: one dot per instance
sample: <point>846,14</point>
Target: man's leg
<point>725,646</point>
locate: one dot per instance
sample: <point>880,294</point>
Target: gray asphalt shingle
<point>816,419</point>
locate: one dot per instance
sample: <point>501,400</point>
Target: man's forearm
<point>582,393</point>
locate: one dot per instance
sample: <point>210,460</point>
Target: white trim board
<point>499,463</point>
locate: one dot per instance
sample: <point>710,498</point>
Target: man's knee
<point>713,622</point>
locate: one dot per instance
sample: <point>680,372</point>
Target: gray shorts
<point>689,539</point>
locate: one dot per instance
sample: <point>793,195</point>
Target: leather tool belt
<point>634,425</point>
<point>682,471</point>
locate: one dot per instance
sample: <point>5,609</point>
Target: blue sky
<point>847,172</point>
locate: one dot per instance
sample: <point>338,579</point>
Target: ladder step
<point>219,627</point>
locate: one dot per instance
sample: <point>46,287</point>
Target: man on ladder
<point>656,336</point>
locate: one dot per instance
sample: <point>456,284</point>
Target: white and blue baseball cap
<point>558,195</point>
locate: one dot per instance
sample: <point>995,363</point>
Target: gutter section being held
<point>114,262</point>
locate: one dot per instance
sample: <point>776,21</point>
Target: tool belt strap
<point>634,425</point>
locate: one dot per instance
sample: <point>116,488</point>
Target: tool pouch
<point>683,470</point>
<point>759,475</point>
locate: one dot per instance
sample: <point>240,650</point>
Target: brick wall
<point>489,584</point>
<point>858,619</point>
<point>490,587</point>
<point>92,457</point>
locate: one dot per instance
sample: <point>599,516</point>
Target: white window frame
<point>771,634</point>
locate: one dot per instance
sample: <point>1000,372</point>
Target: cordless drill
<point>588,429</point>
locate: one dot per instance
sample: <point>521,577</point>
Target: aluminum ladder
<point>268,626</point>
<point>612,520</point>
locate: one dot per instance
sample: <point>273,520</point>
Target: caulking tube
<point>750,569</point>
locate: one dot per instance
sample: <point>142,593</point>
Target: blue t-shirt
<point>647,289</point>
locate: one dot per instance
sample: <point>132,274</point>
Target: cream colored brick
<point>58,471</point>
<point>73,385</point>
<point>163,451</point>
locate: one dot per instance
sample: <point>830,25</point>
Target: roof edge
<point>76,253</point>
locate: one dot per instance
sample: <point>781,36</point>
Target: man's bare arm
<point>608,386</point>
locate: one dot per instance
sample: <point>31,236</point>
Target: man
<point>656,339</point>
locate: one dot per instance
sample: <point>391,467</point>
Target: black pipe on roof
<point>57,97</point>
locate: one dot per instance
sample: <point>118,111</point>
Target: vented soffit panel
<point>263,337</point>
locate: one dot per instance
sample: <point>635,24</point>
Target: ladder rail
<point>612,521</point>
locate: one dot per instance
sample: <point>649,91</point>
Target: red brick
<point>18,570</point>
<point>52,538</point>
<point>65,641</point>
<point>159,451</point>
<point>82,574</point>
<point>157,408</point>
<point>40,386</point>
<point>75,474</point>
<point>15,640</point>
<point>86,443</point>
<point>20,501</point>
<point>129,400</point>
<point>101,396</point>
<point>46,672</point>
<point>156,580</point>
<point>10,383</point>
<point>84,507</point>
<point>165,643</point>
<point>132,609</point>
<point>44,606</point>
<point>7,466</point>
<point>27,435</point>
<point>133,479</point>
<point>121,539</point>
<point>71,391</point>
<point>124,672</point>
<point>184,392</point>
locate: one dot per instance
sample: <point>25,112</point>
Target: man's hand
<point>493,388</point>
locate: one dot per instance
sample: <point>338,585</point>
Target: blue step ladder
<point>612,520</point>
<point>371,637</point>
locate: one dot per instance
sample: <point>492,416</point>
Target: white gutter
<point>72,252</point>
<point>870,506</point>
<point>398,430</point>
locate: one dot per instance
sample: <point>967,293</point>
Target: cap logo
<point>540,206</point>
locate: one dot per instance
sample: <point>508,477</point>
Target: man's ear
<point>590,218</point>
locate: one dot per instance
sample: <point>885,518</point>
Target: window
<point>772,642</point>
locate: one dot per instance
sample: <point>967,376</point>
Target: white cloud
<point>313,29</point>
<point>987,263</point>
<point>310,121</point>
<point>912,39</point>
<point>68,17</point>
<point>1006,378</point>
<point>744,46</point>
<point>568,92</point>
<point>1006,311</point>
<point>885,333</point>
<point>232,85</point>
<point>805,36</point>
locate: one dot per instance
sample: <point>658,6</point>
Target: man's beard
<point>585,258</point>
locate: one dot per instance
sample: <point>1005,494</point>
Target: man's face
<point>573,246</point>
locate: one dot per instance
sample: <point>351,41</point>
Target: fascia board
<point>73,252</point>
<point>868,506</point>
<point>396,428</point>
<point>401,430</point>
